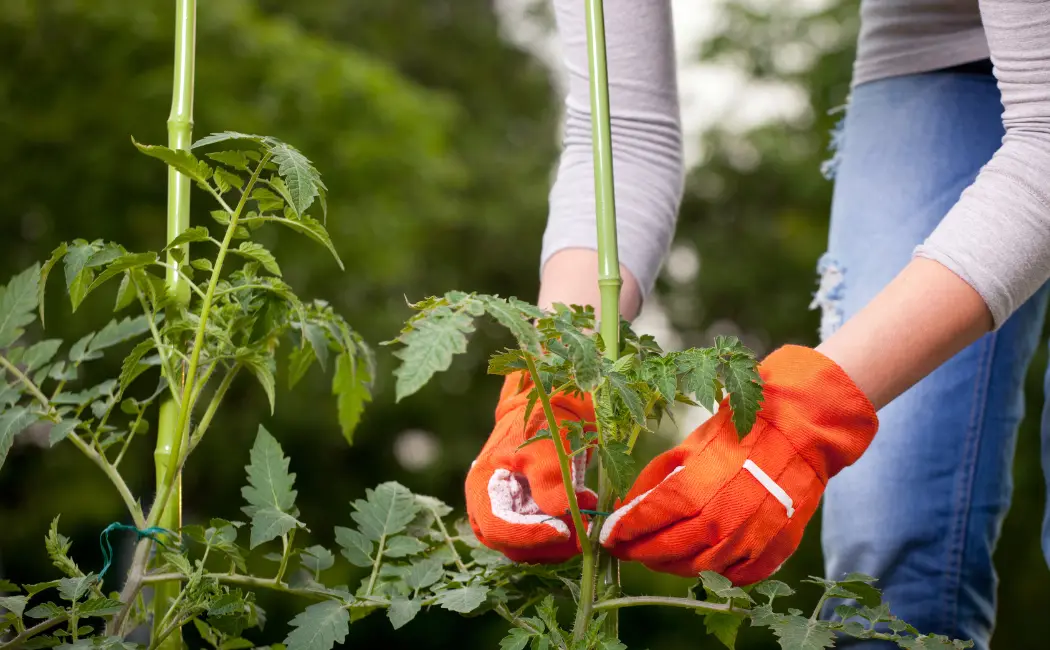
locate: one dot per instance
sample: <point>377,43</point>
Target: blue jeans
<point>923,508</point>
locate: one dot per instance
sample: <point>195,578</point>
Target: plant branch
<point>449,540</point>
<point>583,614</point>
<point>668,601</point>
<point>213,407</point>
<point>286,541</point>
<point>39,628</point>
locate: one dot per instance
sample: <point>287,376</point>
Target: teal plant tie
<point>107,548</point>
<point>594,513</point>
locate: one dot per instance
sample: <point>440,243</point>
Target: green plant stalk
<point>609,281</point>
<point>583,613</point>
<point>169,436</point>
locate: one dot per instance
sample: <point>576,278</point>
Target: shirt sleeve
<point>997,237</point>
<point>646,136</point>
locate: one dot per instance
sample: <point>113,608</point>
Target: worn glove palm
<point>516,502</point>
<point>739,507</point>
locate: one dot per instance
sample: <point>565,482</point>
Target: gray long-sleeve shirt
<point>997,237</point>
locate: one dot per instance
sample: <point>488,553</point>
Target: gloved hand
<point>516,502</point>
<point>739,507</point>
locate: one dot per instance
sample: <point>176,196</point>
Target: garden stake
<point>609,281</point>
<point>170,440</point>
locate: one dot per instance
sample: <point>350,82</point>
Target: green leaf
<point>13,422</point>
<point>723,627</point>
<point>629,396</point>
<point>45,611</point>
<point>351,385</point>
<point>235,159</point>
<point>722,587</point>
<point>7,586</point>
<point>258,252</point>
<point>516,639</point>
<point>116,332</point>
<point>424,573</point>
<point>697,372</point>
<point>661,372</point>
<point>262,368</point>
<point>299,175</point>
<point>586,364</point>
<point>320,627</point>
<point>40,354</point>
<point>402,610</point>
<point>385,511</point>
<point>225,179</point>
<point>181,160</point>
<point>100,607</point>
<point>516,321</point>
<point>73,589</point>
<point>429,348</point>
<point>798,633</point>
<point>506,362</point>
<point>59,432</point>
<point>56,255</point>
<point>132,366</point>
<point>18,301</point>
<point>270,497</point>
<point>463,600</point>
<point>403,546</point>
<point>194,234</point>
<point>774,589</point>
<point>14,604</point>
<point>742,381</point>
<point>619,465</point>
<point>310,227</point>
<point>316,558</point>
<point>356,547</point>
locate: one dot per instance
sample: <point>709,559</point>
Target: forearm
<point>920,320</point>
<point>570,277</point>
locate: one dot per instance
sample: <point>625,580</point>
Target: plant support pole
<point>180,135</point>
<point>609,280</point>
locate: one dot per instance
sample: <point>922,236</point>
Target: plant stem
<point>614,604</point>
<point>286,541</point>
<point>609,281</point>
<point>583,613</point>
<point>39,628</point>
<point>169,436</point>
<point>375,567</point>
<point>111,472</point>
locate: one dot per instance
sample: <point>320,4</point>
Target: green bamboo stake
<point>609,281</point>
<point>180,134</point>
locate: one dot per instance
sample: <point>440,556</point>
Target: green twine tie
<point>107,548</point>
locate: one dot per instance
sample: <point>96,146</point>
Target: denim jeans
<point>923,508</point>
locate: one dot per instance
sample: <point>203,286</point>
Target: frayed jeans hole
<point>830,166</point>
<point>829,294</point>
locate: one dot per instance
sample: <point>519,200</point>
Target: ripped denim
<point>923,508</point>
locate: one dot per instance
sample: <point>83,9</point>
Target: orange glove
<point>516,502</point>
<point>739,507</point>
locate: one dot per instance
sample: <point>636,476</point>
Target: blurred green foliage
<point>436,139</point>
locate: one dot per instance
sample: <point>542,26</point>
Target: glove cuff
<point>818,408</point>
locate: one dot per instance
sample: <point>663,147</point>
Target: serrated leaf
<point>13,422</point>
<point>403,546</point>
<point>697,372</point>
<point>190,235</point>
<point>319,627</point>
<point>722,587</point>
<point>261,368</point>
<point>235,159</point>
<point>45,611</point>
<point>45,271</point>
<point>798,633</point>
<point>40,354</point>
<point>429,348</point>
<point>629,396</point>
<point>59,432</point>
<point>225,179</point>
<point>424,573</point>
<point>463,600</point>
<point>583,354</point>
<point>299,175</point>
<point>260,254</point>
<point>351,385</point>
<point>116,332</point>
<point>385,511</point>
<point>14,604</point>
<point>73,589</point>
<point>506,362</point>
<point>619,465</point>
<point>661,372</point>
<point>18,302</point>
<point>723,627</point>
<point>542,434</point>
<point>132,366</point>
<point>270,497</point>
<point>515,320</point>
<point>402,610</point>
<point>313,229</point>
<point>183,161</point>
<point>7,586</point>
<point>516,639</point>
<point>100,607</point>
<point>356,547</point>
<point>774,589</point>
<point>740,374</point>
<point>316,558</point>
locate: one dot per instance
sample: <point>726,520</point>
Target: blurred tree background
<point>436,137</point>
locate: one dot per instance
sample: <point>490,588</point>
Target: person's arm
<point>647,154</point>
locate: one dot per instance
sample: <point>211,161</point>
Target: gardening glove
<point>739,507</point>
<point>516,501</point>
